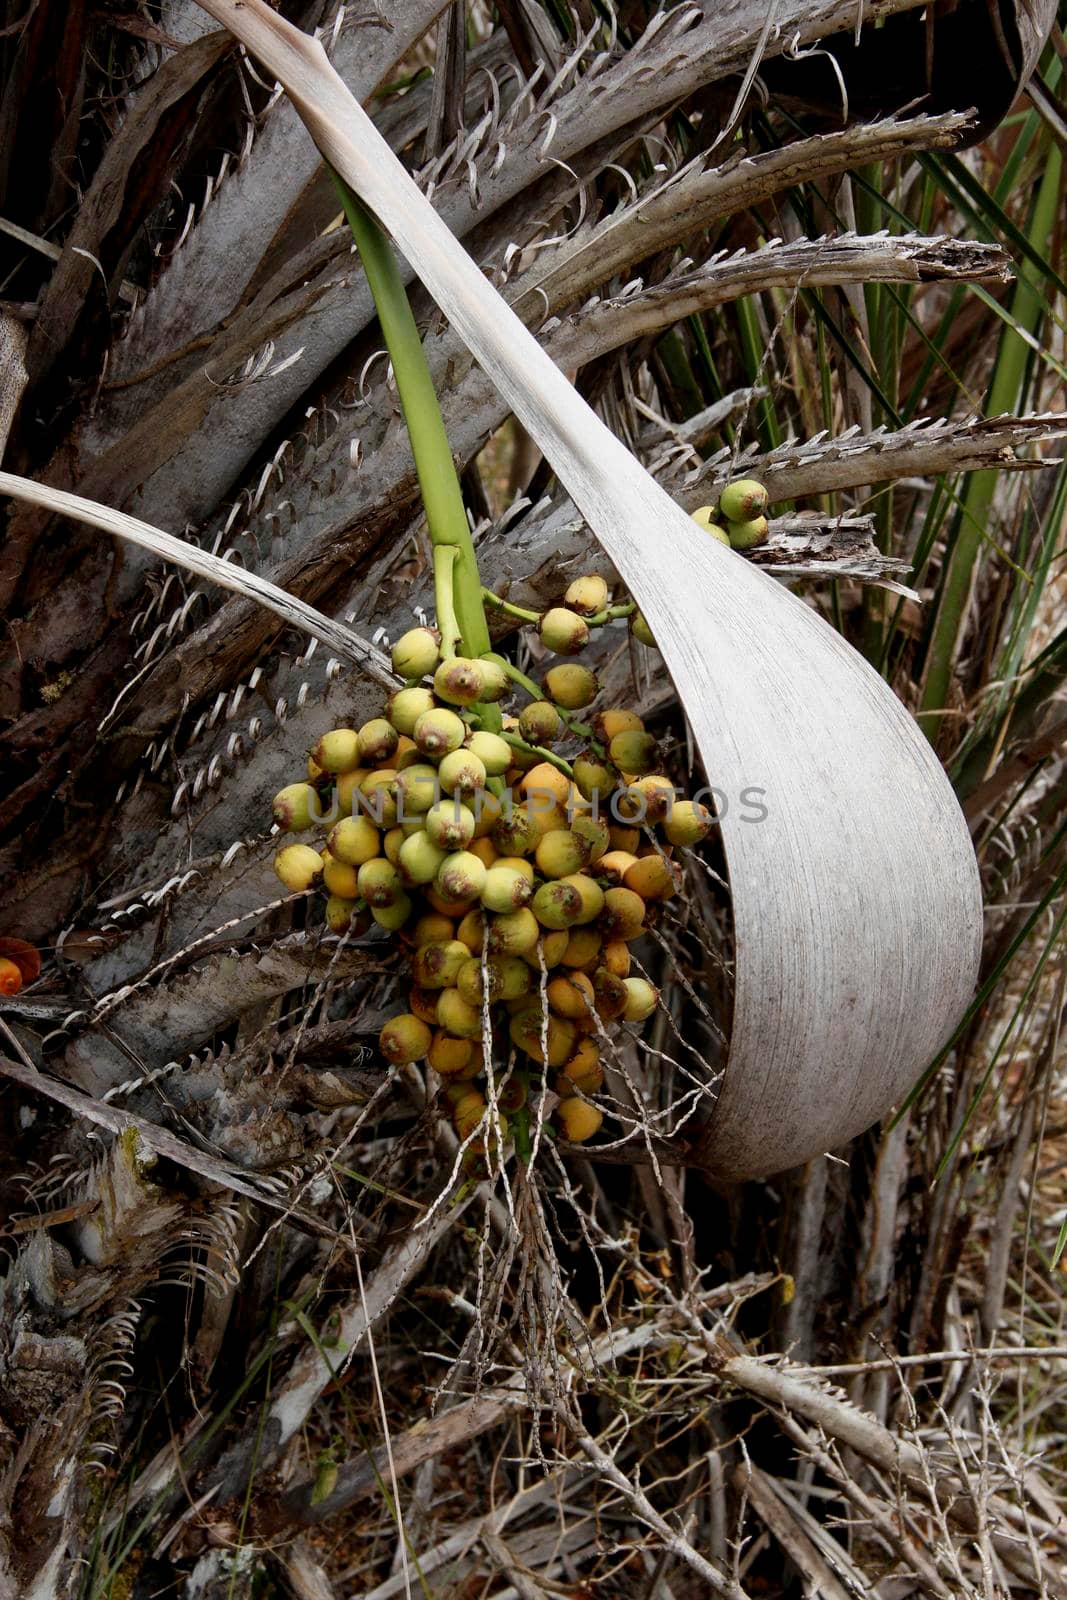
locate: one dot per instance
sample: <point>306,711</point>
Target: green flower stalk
<point>446,516</point>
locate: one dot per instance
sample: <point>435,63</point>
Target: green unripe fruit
<point>592,777</point>
<point>393,917</point>
<point>461,876</point>
<point>416,653</point>
<point>462,772</point>
<point>633,752</point>
<point>354,840</point>
<point>590,893</point>
<point>596,834</point>
<point>298,866</point>
<point>587,595</point>
<point>688,823</point>
<point>342,916</point>
<point>571,686</point>
<point>437,965</point>
<point>578,1120</point>
<point>557,905</point>
<point>297,807</point>
<point>380,883</point>
<point>641,999</point>
<point>708,519</point>
<point>560,853</point>
<point>747,535</point>
<point>406,707</point>
<point>378,740</point>
<point>642,632</point>
<point>439,731</point>
<point>540,722</point>
<point>550,1044</point>
<point>743,500</point>
<point>337,751</point>
<point>623,914</point>
<point>404,1039</point>
<point>515,933</point>
<point>450,825</point>
<point>419,858</point>
<point>458,1016</point>
<point>505,889</point>
<point>563,632</point>
<point>492,751</point>
<point>459,681</point>
<point>495,680</point>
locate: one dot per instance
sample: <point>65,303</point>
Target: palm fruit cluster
<point>515,864</point>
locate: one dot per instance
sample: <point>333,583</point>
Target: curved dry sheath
<point>856,901</point>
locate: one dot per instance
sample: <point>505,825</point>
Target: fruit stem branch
<point>446,515</point>
<point>539,750</point>
<point>581,730</point>
<point>444,571</point>
<point>491,599</point>
<point>610,614</point>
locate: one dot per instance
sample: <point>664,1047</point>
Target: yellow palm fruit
<point>416,653</point>
<point>509,978</point>
<point>592,896</point>
<point>571,995</point>
<point>378,741</point>
<point>460,772</point>
<point>450,1057</point>
<point>545,781</point>
<point>485,850</point>
<point>550,1044</point>
<point>315,772</point>
<point>514,933</point>
<point>505,888</point>
<point>459,681</point>
<point>540,722</point>
<point>471,932</point>
<point>297,807</point>
<point>511,1093</point>
<point>515,835</point>
<point>583,948</point>
<point>651,878</point>
<point>615,956</point>
<point>642,632</point>
<point>707,517</point>
<point>623,915</point>
<point>378,791</point>
<point>404,1038</point>
<point>688,823</point>
<point>496,678</point>
<point>338,750</point>
<point>458,1016</point>
<point>557,904</point>
<point>655,796</point>
<point>435,965</point>
<point>439,731</point>
<point>342,915</point>
<point>391,842</point>
<point>468,1113</point>
<point>419,858</point>
<point>610,994</point>
<point>583,1073</point>
<point>393,916</point>
<point>417,789</point>
<point>423,1003</point>
<point>614,866</point>
<point>593,777</point>
<point>407,753</point>
<point>354,840</point>
<point>561,852</point>
<point>492,751</point>
<point>346,788</point>
<point>578,1120</point>
<point>571,686</point>
<point>406,707</point>
<point>624,838</point>
<point>461,876</point>
<point>448,908</point>
<point>553,944</point>
<point>588,594</point>
<point>641,999</point>
<point>432,929</point>
<point>380,884</point>
<point>606,724</point>
<point>298,866</point>
<point>339,877</point>
<point>563,632</point>
<point>450,825</point>
<point>487,813</point>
